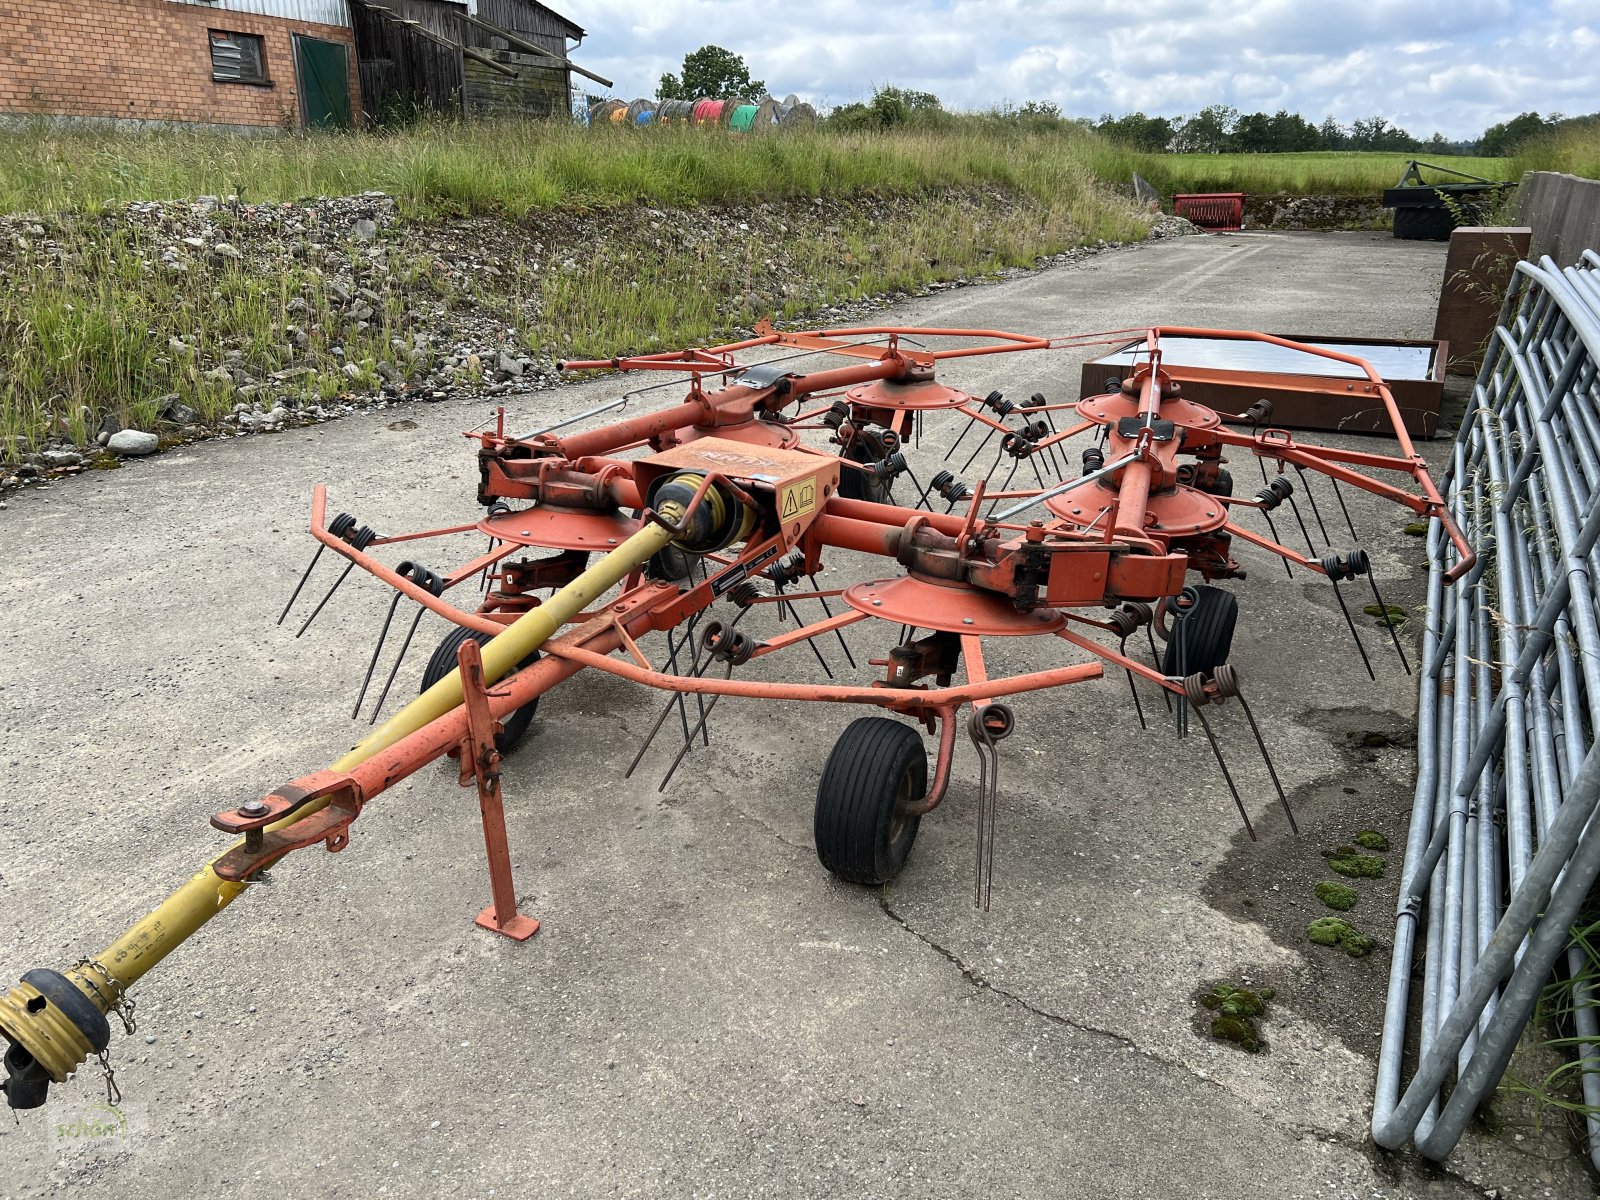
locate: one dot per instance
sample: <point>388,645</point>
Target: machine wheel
<point>444,661</point>
<point>876,765</point>
<point>1431,224</point>
<point>1203,636</point>
<point>853,485</point>
<point>670,565</point>
<point>1224,484</point>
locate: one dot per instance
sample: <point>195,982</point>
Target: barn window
<point>237,58</point>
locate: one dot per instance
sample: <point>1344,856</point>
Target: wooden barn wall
<point>532,21</point>
<point>403,73</point>
<point>539,90</point>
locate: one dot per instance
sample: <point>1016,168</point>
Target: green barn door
<point>323,69</point>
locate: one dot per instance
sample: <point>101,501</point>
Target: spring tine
<point>994,810</point>
<point>983,814</point>
<point>1394,634</point>
<point>914,483</point>
<point>1006,486</point>
<point>1272,527</point>
<point>1311,498</point>
<point>977,452</point>
<point>1122,649</point>
<point>788,606</point>
<point>373,662</point>
<point>1217,751</point>
<point>960,438</point>
<point>812,642</point>
<point>1034,463</point>
<point>694,663</point>
<point>988,475</point>
<point>1304,532</point>
<point>395,670</point>
<point>674,644</point>
<point>1339,596</point>
<point>302,583</point>
<point>924,495</point>
<point>689,741</point>
<point>1155,659</point>
<point>1339,494</point>
<point>1180,636</point>
<point>1055,467</point>
<point>1267,758</point>
<point>676,699</point>
<point>838,633</point>
<point>351,566</point>
<point>483,582</point>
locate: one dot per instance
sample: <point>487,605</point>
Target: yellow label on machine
<point>795,500</point>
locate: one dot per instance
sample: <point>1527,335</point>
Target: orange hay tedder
<point>730,502</point>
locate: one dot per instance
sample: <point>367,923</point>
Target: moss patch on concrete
<point>1236,1011</point>
<point>1350,862</point>
<point>1334,931</point>
<point>1371,839</point>
<point>1338,896</point>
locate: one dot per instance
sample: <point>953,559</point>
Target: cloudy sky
<point>1454,67</point>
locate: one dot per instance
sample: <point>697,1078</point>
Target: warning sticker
<point>797,500</point>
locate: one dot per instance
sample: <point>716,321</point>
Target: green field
<point>512,168</point>
<point>1316,173</point>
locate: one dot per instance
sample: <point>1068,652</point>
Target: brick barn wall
<point>147,60</point>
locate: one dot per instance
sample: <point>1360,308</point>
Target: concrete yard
<point>706,1012</point>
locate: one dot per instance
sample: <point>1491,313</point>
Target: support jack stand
<point>480,765</point>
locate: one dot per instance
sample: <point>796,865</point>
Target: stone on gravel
<point>133,443</point>
<point>61,458</point>
<point>175,410</point>
<point>365,229</point>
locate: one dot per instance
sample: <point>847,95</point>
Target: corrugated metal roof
<point>323,12</point>
<point>536,16</point>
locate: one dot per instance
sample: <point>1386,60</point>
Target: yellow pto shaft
<point>48,1023</point>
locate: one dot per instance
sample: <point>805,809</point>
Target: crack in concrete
<point>755,820</point>
<point>1383,1163</point>
<point>979,981</point>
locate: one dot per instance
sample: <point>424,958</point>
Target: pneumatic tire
<point>444,660</point>
<point>1202,638</point>
<point>877,766</point>
<point>1424,224</point>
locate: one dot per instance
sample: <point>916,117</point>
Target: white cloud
<point>1456,67</point>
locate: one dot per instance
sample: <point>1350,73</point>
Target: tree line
<point>1222,129</point>
<point>715,73</point>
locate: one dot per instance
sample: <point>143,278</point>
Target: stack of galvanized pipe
<point>1504,844</point>
<point>741,116</point>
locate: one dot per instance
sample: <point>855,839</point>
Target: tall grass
<point>1572,148</point>
<point>108,328</point>
<point>1317,173</point>
<point>513,167</point>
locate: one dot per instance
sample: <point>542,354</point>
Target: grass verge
<point>116,315</point>
<point>514,167</point>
